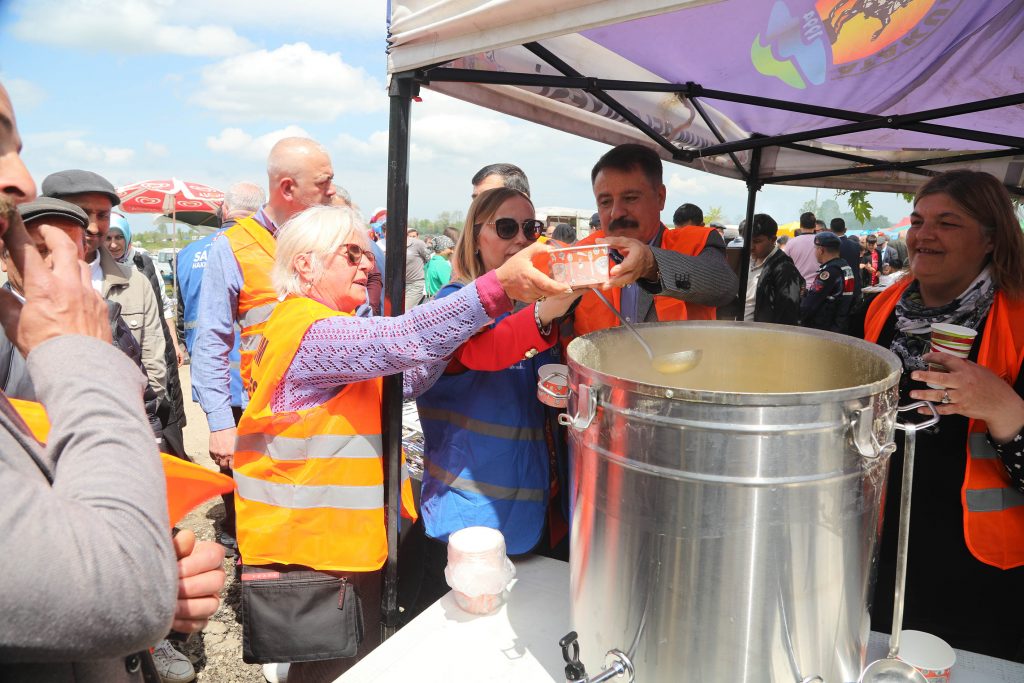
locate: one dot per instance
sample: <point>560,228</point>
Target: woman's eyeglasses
<point>508,228</point>
<point>355,253</point>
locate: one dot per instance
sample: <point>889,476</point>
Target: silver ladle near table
<point>669,363</point>
<point>890,669</point>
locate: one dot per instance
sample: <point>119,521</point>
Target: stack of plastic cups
<point>478,569</point>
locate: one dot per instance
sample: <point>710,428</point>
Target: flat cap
<point>51,207</point>
<point>77,181</point>
<point>826,239</point>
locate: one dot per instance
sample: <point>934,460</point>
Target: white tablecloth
<point>520,641</point>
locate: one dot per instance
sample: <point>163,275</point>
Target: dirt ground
<point>217,651</point>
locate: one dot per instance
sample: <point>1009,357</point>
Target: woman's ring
<point>945,396</point>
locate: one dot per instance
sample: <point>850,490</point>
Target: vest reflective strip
<point>318,446</point>
<point>250,342</point>
<point>255,316</point>
<point>981,449</point>
<point>300,497</point>
<point>481,427</point>
<point>490,491</point>
<point>993,500</point>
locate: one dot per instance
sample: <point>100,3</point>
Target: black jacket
<point>777,298</point>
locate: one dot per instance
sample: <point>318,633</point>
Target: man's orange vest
<point>310,483</point>
<point>254,248</point>
<point>592,315</point>
<point>993,509</point>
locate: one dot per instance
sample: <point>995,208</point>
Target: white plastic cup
<point>956,340</point>
<point>929,654</point>
<point>478,569</point>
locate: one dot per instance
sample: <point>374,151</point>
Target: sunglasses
<point>355,253</point>
<point>508,228</point>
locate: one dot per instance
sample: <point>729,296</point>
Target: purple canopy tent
<point>847,94</point>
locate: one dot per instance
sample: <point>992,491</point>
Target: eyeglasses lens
<point>507,228</point>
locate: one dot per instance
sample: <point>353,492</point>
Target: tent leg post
<point>753,185</point>
<point>402,90</point>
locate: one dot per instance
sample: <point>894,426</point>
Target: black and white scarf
<point>914,319</point>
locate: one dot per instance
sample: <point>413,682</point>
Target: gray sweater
<point>89,575</point>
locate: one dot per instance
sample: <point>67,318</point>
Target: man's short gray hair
<point>243,199</point>
<point>318,231</point>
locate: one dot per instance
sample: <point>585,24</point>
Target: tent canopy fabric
<point>850,94</point>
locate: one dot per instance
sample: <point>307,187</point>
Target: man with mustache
<point>237,288</point>
<point>680,274</point>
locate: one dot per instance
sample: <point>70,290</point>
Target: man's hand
<point>222,446</point>
<point>522,281</point>
<point>200,580</point>
<point>58,301</point>
<point>637,261</point>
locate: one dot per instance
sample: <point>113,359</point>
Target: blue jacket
<point>486,457</point>
<point>191,264</point>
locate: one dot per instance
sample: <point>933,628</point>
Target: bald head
<point>300,174</point>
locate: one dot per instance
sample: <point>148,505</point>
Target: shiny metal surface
<point>725,520</point>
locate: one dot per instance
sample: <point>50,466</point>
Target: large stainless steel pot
<point>725,520</point>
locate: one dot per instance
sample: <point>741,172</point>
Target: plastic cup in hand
<point>929,654</point>
<point>478,569</point>
<point>956,340</point>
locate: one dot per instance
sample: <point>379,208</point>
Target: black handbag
<point>298,615</point>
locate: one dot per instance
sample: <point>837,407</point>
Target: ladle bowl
<point>667,363</point>
<point>891,670</point>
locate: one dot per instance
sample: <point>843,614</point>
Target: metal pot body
<point>725,521</point>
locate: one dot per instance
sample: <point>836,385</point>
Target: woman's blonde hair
<point>319,231</point>
<point>986,200</point>
<point>466,262</point>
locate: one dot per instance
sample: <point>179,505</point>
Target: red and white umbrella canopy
<point>168,196</point>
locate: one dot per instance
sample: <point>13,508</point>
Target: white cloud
<point>238,143</point>
<point>84,152</point>
<point>327,17</point>
<point>124,26</point>
<point>24,94</point>
<point>293,83</point>
<point>71,148</point>
<point>156,149</point>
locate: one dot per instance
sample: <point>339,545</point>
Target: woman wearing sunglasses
<point>489,446</point>
<point>308,461</point>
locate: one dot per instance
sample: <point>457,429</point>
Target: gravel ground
<point>217,651</point>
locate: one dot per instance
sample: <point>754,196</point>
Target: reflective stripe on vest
<point>993,512</point>
<point>316,446</point>
<point>517,433</point>
<point>306,496</point>
<point>254,249</point>
<point>492,491</point>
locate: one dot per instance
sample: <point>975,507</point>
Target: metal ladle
<point>890,669</point>
<point>668,363</point>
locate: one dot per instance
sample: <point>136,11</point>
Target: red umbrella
<point>169,197</point>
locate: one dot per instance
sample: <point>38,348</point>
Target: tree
<point>713,214</point>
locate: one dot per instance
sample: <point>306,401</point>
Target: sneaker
<point>229,542</point>
<point>172,666</point>
<point>276,673</point>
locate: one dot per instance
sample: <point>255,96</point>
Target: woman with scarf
<point>172,409</point>
<point>965,579</point>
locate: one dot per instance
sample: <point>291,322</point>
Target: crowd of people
<point>281,314</point>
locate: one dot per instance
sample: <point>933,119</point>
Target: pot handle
<point>586,409</point>
<point>554,374</point>
<point>867,442</point>
<point>917,426</point>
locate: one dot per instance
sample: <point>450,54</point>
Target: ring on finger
<point>945,397</point>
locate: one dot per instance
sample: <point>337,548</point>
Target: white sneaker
<point>172,666</point>
<point>276,673</point>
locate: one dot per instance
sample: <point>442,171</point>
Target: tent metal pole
<point>915,166</point>
<point>753,185</point>
<point>718,135</point>
<point>401,92</point>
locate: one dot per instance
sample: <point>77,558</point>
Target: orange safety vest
<point>310,482</point>
<point>592,315</point>
<point>993,509</point>
<point>254,248</point>
<point>188,484</point>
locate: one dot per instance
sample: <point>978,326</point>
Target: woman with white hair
<point>308,461</point>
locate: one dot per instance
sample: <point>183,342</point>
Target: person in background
<point>827,302</point>
<point>688,214</point>
<point>91,536</point>
<point>319,374</point>
<point>118,242</point>
<point>774,283</point>
<point>595,222</point>
<point>870,268</point>
<point>416,257</point>
<point>889,276</point>
<point>887,254</point>
<point>819,226</point>
<point>782,241</point>
<point>500,175</point>
<point>849,251</point>
<point>966,555</point>
<point>439,270</point>
<point>664,274</point>
<point>564,233</point>
<point>801,249</point>
<point>241,200</point>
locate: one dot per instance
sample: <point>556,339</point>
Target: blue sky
<point>200,90</point>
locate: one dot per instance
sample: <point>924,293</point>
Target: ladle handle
<point>625,323</point>
<point>903,538</point>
